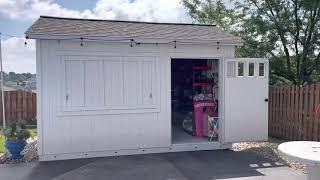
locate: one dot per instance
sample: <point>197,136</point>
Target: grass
<point>2,148</point>
<point>276,140</point>
<point>31,129</point>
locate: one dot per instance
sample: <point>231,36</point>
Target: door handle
<point>266,100</point>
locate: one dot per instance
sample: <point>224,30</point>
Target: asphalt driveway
<point>202,165</point>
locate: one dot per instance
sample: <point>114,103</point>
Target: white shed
<point>109,88</point>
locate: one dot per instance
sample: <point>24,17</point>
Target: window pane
<point>240,68</point>
<point>261,69</point>
<point>251,69</point>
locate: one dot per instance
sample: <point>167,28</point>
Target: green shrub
<point>16,131</point>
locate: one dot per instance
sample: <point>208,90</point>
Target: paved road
<point>202,165</point>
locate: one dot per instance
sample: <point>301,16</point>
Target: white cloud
<point>22,59</point>
<point>144,10</point>
<point>32,9</point>
<point>18,57</point>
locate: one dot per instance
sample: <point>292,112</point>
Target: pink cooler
<point>199,106</point>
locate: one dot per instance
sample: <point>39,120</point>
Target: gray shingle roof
<point>54,27</point>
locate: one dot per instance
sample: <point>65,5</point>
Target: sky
<point>17,15</point>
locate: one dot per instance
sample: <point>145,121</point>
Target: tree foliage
<point>286,32</point>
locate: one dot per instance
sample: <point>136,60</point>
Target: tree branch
<point>281,33</point>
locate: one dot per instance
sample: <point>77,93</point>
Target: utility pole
<point>2,94</point>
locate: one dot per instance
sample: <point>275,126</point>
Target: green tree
<point>211,12</point>
<point>284,31</point>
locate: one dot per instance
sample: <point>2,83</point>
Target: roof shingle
<point>52,27</point>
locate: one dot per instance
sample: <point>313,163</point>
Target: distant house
<point>7,88</point>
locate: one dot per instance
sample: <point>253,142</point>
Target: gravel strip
<point>270,151</point>
<point>29,152</point>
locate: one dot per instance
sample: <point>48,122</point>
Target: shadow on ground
<point>168,166</point>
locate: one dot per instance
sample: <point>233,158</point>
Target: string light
<point>81,44</point>
<point>25,41</point>
<point>131,41</point>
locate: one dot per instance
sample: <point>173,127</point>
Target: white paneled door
<point>246,100</point>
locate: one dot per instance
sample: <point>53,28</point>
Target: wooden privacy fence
<point>292,112</point>
<point>19,105</point>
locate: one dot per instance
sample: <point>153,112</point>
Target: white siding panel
<point>59,139</point>
<point>147,75</point>
<point>156,82</point>
<point>80,133</point>
<point>126,131</point>
<point>56,138</point>
<point>131,82</point>
<point>107,82</point>
<point>94,95</point>
<point>75,83</point>
<point>116,82</point>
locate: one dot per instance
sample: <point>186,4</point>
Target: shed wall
<point>95,130</point>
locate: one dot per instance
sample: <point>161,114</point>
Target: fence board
<point>292,112</point>
<point>286,107</point>
<point>311,111</point>
<point>296,112</point>
<point>19,105</point>
<point>277,111</point>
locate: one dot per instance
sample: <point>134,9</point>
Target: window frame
<point>106,108</point>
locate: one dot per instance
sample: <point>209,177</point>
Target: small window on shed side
<point>261,69</point>
<point>240,68</point>
<point>251,69</point>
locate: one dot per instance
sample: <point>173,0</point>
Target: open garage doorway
<point>194,100</point>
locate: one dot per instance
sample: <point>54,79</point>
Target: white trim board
<point>172,148</point>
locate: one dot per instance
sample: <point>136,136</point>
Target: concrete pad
<point>202,165</point>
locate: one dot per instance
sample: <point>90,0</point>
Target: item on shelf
<point>187,123</point>
<point>213,127</point>
<point>203,96</point>
<point>202,84</point>
<point>201,67</point>
<point>207,113</point>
